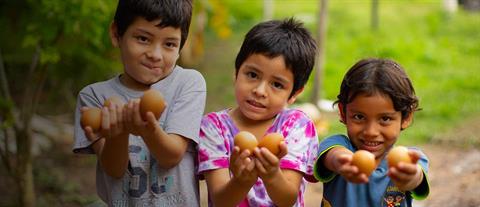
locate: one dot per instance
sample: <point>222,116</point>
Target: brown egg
<point>272,142</point>
<point>364,161</point>
<point>152,100</point>
<point>113,100</point>
<point>92,117</point>
<point>245,140</point>
<point>398,154</point>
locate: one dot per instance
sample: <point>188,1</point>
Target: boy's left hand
<point>267,163</point>
<point>407,176</point>
<point>134,122</point>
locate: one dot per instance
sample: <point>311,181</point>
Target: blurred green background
<point>50,49</point>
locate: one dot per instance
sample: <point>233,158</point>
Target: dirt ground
<point>454,179</point>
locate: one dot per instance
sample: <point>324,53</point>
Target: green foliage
<point>72,37</point>
<point>439,51</point>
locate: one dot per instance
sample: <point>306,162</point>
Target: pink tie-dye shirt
<point>216,144</point>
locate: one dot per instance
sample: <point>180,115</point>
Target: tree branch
<point>3,79</point>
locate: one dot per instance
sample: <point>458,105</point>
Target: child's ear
<point>341,110</point>
<point>113,34</point>
<point>292,99</point>
<point>406,121</point>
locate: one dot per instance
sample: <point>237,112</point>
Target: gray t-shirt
<point>145,183</point>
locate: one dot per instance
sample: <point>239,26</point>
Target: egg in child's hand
<point>245,140</point>
<point>113,100</point>
<point>364,161</point>
<point>152,100</point>
<point>398,154</point>
<point>92,117</point>
<point>272,141</point>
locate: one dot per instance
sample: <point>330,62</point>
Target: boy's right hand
<point>112,124</point>
<point>342,162</point>
<point>242,166</point>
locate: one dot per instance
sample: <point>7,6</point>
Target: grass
<point>439,51</point>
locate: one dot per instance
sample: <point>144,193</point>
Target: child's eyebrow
<point>281,79</point>
<point>143,31</point>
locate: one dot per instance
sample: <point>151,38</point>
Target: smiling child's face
<point>148,52</point>
<point>372,123</point>
<point>262,87</point>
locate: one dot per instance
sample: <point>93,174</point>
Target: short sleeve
<point>81,143</point>
<point>322,173</point>
<point>302,143</point>
<point>214,146</point>
<point>186,111</point>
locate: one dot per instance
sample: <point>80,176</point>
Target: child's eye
<point>385,120</point>
<point>171,44</point>
<point>142,39</point>
<point>278,85</point>
<point>252,75</point>
<point>358,117</point>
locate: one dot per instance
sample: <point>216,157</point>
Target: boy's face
<point>372,123</point>
<point>148,52</point>
<point>263,86</point>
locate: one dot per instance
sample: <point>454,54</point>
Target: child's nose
<point>155,53</point>
<point>371,130</point>
<point>260,89</point>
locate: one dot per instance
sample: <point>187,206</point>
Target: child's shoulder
<point>221,115</point>
<point>100,86</point>
<point>187,74</point>
<point>294,113</point>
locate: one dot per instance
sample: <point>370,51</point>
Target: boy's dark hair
<point>173,13</point>
<point>287,38</point>
<point>384,76</point>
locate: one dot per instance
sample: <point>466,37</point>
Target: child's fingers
<point>91,136</point>
<point>414,155</point>
<point>283,150</point>
<point>250,165</point>
<point>260,167</point>
<point>151,120</point>
<point>137,118</point>
<point>268,158</point>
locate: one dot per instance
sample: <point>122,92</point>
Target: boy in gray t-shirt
<point>149,162</point>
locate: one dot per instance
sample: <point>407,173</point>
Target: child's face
<point>263,87</point>
<point>372,123</point>
<point>148,52</point>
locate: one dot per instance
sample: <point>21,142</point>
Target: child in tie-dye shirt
<point>271,69</point>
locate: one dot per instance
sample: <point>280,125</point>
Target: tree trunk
<point>374,17</point>
<point>267,10</point>
<point>320,63</point>
<point>24,166</point>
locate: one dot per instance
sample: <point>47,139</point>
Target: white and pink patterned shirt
<point>216,144</point>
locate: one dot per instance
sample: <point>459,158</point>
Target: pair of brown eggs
<point>365,160</point>
<point>151,100</point>
<point>246,140</point>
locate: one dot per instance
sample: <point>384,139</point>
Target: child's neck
<point>256,127</point>
<point>133,84</point>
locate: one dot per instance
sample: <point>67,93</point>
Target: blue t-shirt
<point>379,191</point>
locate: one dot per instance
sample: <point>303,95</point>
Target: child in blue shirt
<point>376,102</point>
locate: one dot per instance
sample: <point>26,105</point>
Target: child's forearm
<point>226,191</point>
<point>168,149</point>
<point>283,187</point>
<point>114,156</point>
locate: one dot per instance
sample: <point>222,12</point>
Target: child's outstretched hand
<point>407,176</point>
<point>242,166</point>
<point>267,163</point>
<point>343,165</point>
<point>112,123</point>
<point>134,122</point>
